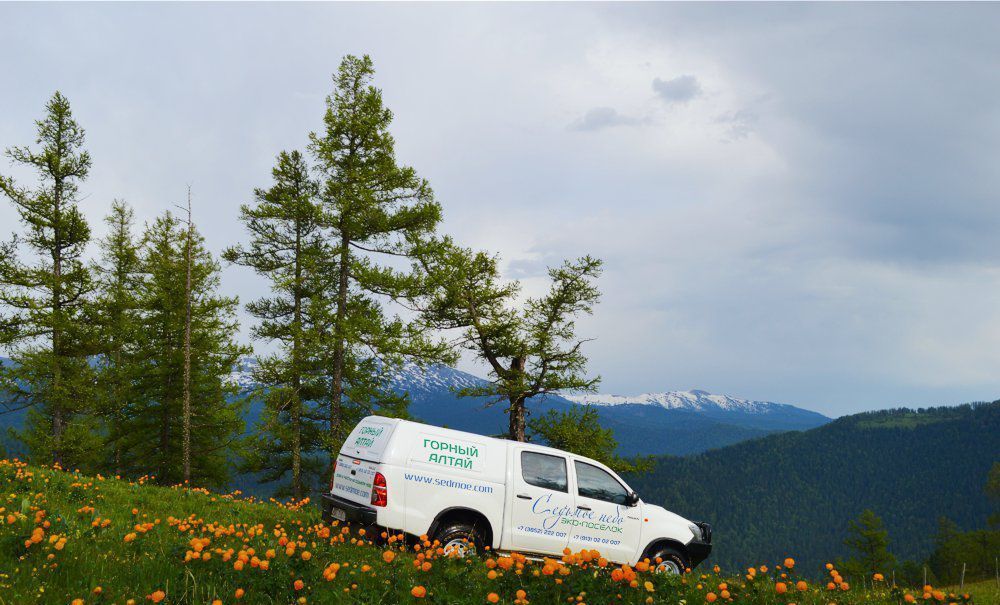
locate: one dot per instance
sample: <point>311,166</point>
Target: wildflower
<point>711,597</point>
<point>298,585</point>
<point>239,593</point>
<point>157,596</point>
<point>493,597</point>
<point>780,588</point>
<point>801,586</point>
<point>789,562</point>
<point>388,556</point>
<point>418,592</point>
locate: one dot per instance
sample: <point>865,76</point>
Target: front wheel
<point>671,561</point>
<point>460,540</point>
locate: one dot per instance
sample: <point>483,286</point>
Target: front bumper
<point>354,513</point>
<point>698,550</point>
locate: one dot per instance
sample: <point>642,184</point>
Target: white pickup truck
<point>470,491</point>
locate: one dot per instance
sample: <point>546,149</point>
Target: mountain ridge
<point>801,489</point>
<point>640,429</point>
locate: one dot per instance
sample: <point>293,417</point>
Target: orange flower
<point>418,592</point>
<point>157,596</point>
<point>789,562</point>
<point>780,588</point>
<point>388,556</point>
<point>493,597</point>
<point>299,585</point>
<point>239,593</point>
<point>801,586</point>
<point>711,597</point>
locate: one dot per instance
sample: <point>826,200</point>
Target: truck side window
<point>592,482</point>
<point>544,470</point>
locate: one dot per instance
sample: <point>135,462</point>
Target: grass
<point>987,591</point>
<point>75,540</point>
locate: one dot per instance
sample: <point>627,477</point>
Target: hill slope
<point>68,538</point>
<point>796,492</point>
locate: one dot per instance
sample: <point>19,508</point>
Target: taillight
<point>380,495</point>
<point>333,475</point>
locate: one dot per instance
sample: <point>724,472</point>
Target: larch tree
<point>531,348</point>
<point>376,213</point>
<point>578,430</point>
<point>46,294</point>
<point>287,246</point>
<point>116,316</point>
<point>869,540</point>
<point>153,441</point>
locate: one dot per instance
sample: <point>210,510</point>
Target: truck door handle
<point>582,507</point>
<point>524,496</point>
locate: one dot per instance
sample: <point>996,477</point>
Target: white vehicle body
<point>425,480</point>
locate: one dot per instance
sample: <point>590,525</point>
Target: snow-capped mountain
<point>694,400</point>
<point>675,422</point>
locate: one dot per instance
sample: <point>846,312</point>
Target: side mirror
<point>633,499</point>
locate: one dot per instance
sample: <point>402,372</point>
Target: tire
<point>461,540</point>
<point>672,561</point>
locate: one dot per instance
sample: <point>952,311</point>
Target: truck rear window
<point>368,440</point>
<point>544,470</point>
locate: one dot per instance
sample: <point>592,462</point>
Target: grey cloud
<point>600,118</point>
<point>738,124</point>
<point>820,262</point>
<point>677,90</point>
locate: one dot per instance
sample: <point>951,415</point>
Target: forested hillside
<point>796,492</point>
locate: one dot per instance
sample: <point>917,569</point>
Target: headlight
<point>698,535</point>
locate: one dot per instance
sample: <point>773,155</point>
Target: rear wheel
<point>669,561</point>
<point>460,540</point>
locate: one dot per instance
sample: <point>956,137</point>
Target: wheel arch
<point>456,514</point>
<point>659,543</point>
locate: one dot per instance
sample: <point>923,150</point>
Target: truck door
<point>603,520</point>
<point>540,499</point>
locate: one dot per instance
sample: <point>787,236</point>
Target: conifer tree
<point>869,540</point>
<point>287,247</point>
<point>117,319</point>
<point>153,435</point>
<point>376,212</point>
<point>531,349</point>
<point>579,430</point>
<point>46,293</point>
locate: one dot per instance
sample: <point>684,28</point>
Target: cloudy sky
<point>797,203</point>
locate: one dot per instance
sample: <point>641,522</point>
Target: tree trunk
<point>516,416</point>
<point>56,402</point>
<point>518,412</point>
<point>337,388</point>
<point>296,402</point>
<point>186,455</point>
